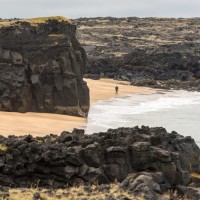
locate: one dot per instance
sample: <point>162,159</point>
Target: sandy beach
<point>104,89</point>
<point>40,124</point>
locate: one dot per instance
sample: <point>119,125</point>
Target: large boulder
<point>144,185</point>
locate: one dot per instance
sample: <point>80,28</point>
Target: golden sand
<point>104,89</point>
<point>40,124</point>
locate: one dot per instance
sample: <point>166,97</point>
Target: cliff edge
<point>41,67</point>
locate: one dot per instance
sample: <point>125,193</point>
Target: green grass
<point>34,21</point>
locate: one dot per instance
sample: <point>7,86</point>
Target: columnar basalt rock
<point>41,67</point>
<point>74,158</point>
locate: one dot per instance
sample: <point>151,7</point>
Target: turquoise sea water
<point>174,110</point>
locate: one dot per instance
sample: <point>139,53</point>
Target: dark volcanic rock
<point>144,184</point>
<point>56,161</point>
<point>142,49</point>
<point>41,67</point>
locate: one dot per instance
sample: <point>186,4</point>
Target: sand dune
<point>40,124</point>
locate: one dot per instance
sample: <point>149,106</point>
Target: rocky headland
<point>155,52</point>
<point>41,70</point>
<point>41,67</point>
<point>146,161</point>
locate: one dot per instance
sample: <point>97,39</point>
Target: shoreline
<point>41,124</point>
<point>104,89</point>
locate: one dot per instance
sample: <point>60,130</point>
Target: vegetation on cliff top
<point>33,21</point>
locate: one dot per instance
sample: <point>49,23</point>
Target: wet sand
<point>40,124</point>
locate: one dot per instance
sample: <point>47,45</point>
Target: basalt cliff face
<point>41,67</point>
<point>158,52</point>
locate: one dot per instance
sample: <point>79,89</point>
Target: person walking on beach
<point>116,89</point>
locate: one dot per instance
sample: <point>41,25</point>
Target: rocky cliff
<point>157,160</point>
<point>41,67</point>
<point>145,51</point>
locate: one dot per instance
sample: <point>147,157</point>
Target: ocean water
<point>174,110</point>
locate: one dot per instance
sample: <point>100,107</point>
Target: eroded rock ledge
<point>164,159</point>
<point>41,67</point>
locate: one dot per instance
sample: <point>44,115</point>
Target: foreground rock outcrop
<point>134,156</point>
<point>139,49</point>
<point>41,67</point>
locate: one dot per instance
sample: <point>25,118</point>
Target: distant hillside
<point>137,49</point>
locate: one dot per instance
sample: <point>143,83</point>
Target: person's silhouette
<point>116,89</point>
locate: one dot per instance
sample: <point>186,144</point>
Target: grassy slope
<point>34,21</point>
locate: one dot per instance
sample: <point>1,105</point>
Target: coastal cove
<point>109,106</point>
<point>176,110</point>
<point>41,124</point>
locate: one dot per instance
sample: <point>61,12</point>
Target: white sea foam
<point>177,110</point>
<point>167,101</point>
